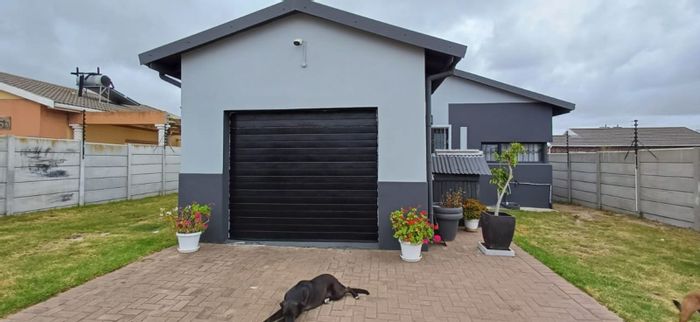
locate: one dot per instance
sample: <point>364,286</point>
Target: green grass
<point>632,266</point>
<point>44,253</point>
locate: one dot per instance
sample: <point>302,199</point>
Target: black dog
<point>307,295</point>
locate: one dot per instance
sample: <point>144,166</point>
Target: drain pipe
<point>429,133</point>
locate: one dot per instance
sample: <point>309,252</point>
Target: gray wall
<point>38,174</point>
<point>455,90</point>
<point>668,183</point>
<point>260,69</point>
<point>508,122</point>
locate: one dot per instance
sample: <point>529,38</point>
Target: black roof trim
<point>165,58</point>
<point>562,107</point>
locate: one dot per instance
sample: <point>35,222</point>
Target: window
<point>534,152</point>
<point>441,137</point>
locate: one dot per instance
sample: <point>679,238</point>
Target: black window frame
<point>500,146</point>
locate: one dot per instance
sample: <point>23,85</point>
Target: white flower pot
<point>472,224</point>
<point>188,243</point>
<point>410,252</point>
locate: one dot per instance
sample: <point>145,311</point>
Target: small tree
<point>503,175</point>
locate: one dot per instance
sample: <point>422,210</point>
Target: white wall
<point>260,69</point>
<point>455,90</point>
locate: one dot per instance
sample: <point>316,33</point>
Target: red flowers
<point>190,219</point>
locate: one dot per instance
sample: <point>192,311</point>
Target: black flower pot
<point>497,230</point>
<point>448,221</point>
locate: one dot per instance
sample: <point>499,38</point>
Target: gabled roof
<point>560,106</point>
<point>623,136</point>
<point>57,96</point>
<point>441,54</point>
<point>460,162</point>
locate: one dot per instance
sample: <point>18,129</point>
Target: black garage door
<point>304,175</point>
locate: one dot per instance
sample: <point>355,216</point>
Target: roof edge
<point>26,94</point>
<point>564,106</point>
<point>287,7</point>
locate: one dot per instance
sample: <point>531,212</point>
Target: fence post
<point>10,176</point>
<point>696,166</point>
<point>81,176</point>
<point>568,177</point>
<point>129,158</point>
<point>599,177</point>
<point>162,171</point>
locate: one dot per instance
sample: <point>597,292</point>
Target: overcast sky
<point>617,60</point>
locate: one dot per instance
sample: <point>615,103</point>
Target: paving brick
<point>246,283</point>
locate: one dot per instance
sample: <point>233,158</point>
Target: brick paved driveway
<point>246,283</point>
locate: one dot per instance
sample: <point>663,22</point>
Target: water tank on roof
<point>96,81</point>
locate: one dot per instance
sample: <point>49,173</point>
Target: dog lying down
<point>308,295</point>
<point>690,304</point>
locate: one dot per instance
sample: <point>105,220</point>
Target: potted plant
<point>498,228</point>
<point>412,229</point>
<point>472,213</point>
<point>189,223</point>
<point>448,213</point>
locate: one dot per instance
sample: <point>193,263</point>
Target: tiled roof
<point>623,136</point>
<point>460,163</point>
<point>68,95</point>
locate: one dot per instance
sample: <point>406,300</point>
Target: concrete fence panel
<point>38,174</point>
<point>664,187</point>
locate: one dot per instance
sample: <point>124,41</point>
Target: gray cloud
<point>617,60</point>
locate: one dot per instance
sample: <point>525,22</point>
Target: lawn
<point>44,253</point>
<point>632,266</point>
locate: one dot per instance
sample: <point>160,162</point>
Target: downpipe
<point>428,132</point>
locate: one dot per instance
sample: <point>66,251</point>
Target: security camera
<point>298,42</point>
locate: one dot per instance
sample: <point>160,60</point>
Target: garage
<point>303,175</point>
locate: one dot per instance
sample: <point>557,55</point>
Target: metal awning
<point>464,162</point>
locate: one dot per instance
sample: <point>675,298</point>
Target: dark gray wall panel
<point>207,188</point>
<point>392,196</point>
<point>525,195</point>
<point>508,122</point>
<point>504,122</point>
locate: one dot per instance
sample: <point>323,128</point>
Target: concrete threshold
<point>342,245</point>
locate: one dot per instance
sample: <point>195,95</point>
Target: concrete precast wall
<point>38,174</point>
<point>667,183</point>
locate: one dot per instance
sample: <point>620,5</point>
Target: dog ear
<point>678,304</point>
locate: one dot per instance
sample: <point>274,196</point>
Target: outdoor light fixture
<point>300,43</point>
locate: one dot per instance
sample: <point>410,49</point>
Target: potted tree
<point>472,213</point>
<point>497,228</point>
<point>412,229</point>
<point>189,223</point>
<point>448,213</point>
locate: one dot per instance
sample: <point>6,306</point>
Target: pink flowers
<point>437,238</point>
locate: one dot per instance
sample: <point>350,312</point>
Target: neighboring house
<point>621,139</point>
<point>474,112</point>
<point>39,109</point>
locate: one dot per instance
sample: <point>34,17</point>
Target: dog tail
<point>275,316</point>
<point>360,291</point>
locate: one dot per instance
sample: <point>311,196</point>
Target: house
<point>34,108</point>
<point>474,112</point>
<point>621,138</point>
<point>305,122</point>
